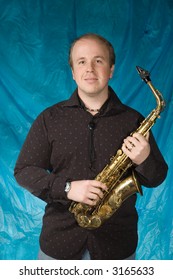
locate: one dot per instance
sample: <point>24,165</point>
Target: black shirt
<point>60,147</point>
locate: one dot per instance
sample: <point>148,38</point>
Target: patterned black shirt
<point>61,146</point>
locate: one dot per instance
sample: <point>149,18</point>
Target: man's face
<point>91,67</point>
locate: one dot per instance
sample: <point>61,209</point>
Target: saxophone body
<point>119,188</point>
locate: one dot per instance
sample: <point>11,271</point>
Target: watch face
<point>67,187</point>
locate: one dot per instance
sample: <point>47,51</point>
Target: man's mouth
<point>91,79</point>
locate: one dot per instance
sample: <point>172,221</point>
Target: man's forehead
<point>89,40</point>
<point>90,45</point>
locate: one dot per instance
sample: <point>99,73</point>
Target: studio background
<point>35,36</point>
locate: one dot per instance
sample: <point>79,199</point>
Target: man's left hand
<point>137,147</point>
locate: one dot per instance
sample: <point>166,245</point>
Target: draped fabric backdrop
<point>34,41</point>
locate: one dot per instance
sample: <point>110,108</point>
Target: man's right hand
<point>86,191</point>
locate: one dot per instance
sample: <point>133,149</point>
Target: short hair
<point>109,46</point>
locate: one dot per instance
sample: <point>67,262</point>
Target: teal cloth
<point>34,74</point>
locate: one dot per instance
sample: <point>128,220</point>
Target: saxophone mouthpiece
<point>144,74</point>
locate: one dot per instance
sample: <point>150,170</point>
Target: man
<point>70,143</point>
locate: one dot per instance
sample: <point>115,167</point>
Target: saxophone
<point>119,189</point>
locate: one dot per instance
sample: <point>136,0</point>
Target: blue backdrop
<point>34,40</point>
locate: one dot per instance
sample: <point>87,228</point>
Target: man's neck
<point>93,102</point>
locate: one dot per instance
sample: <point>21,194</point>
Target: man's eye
<point>99,61</point>
<point>81,62</point>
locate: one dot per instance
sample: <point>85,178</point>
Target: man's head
<point>102,40</point>
<point>92,60</point>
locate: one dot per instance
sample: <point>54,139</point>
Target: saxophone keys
<point>119,152</point>
<point>90,222</point>
<point>96,221</point>
<point>83,221</point>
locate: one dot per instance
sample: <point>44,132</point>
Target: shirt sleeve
<point>153,170</point>
<point>33,168</point>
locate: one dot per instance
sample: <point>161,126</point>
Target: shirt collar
<point>111,106</point>
<point>73,101</point>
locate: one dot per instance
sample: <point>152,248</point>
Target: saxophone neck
<point>145,76</point>
<point>149,121</point>
<point>159,98</point>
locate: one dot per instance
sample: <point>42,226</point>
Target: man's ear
<point>73,75</point>
<point>112,71</point>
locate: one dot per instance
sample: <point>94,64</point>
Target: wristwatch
<point>67,187</point>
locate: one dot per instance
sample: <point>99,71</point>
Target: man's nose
<point>90,66</point>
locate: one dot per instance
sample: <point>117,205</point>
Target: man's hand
<point>86,191</point>
<point>137,147</point>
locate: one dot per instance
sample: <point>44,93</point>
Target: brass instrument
<point>118,190</point>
